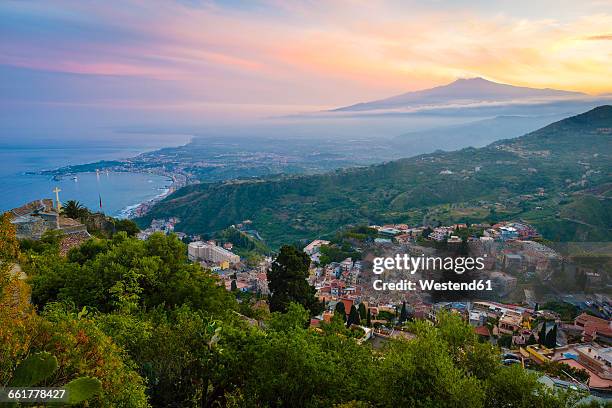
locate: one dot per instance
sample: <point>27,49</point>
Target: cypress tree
<point>369,319</point>
<point>353,317</point>
<point>287,281</point>
<point>362,311</point>
<point>542,334</point>
<point>551,337</point>
<point>340,310</point>
<point>403,313</point>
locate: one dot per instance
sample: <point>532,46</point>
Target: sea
<point>117,192</point>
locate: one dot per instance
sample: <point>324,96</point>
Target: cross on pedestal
<point>58,205</point>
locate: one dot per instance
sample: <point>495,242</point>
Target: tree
<point>74,209</point>
<point>234,286</point>
<point>9,253</point>
<point>542,334</point>
<point>340,310</point>
<point>143,274</point>
<point>531,340</point>
<point>287,281</point>
<point>369,319</point>
<point>403,314</point>
<point>417,371</point>
<point>551,337</point>
<point>9,246</point>
<point>129,226</point>
<point>58,348</point>
<point>362,311</point>
<point>353,317</point>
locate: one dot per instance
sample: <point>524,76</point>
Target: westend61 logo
<point>404,262</point>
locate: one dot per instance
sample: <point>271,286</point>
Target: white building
<point>209,252</point>
<point>315,246</point>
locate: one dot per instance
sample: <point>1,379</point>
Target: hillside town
<point>567,335</point>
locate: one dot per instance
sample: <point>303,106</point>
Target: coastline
<point>140,209</point>
<point>124,165</point>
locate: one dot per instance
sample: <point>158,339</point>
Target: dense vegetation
<point>158,331</point>
<point>98,224</point>
<point>557,178</point>
<point>244,245</point>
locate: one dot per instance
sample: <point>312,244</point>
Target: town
<point>547,311</point>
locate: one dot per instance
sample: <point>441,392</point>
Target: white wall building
<point>209,252</point>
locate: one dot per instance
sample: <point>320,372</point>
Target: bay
<point>118,191</point>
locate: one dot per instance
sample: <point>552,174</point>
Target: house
<point>453,239</point>
<point>402,238</point>
<point>594,328</point>
<point>390,231</point>
<point>482,331</point>
<point>315,246</point>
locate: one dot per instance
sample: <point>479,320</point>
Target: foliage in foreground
<point>158,331</point>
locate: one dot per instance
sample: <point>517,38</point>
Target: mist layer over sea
<point>118,191</point>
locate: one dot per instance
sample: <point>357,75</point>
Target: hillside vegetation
<point>544,177</point>
<point>157,331</point>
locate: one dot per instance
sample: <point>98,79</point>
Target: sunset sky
<point>209,57</point>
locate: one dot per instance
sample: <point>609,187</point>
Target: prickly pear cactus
<point>82,388</point>
<point>34,369</point>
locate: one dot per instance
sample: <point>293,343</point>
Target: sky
<point>123,62</point>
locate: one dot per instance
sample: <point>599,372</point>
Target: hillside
<point>475,134</point>
<point>537,177</point>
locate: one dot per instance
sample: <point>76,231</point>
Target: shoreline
<point>177,180</point>
<point>140,209</point>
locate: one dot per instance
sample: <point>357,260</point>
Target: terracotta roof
<point>482,331</point>
<point>585,318</point>
<point>72,240</point>
<point>44,205</point>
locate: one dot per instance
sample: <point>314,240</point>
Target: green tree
<point>542,333</point>
<point>403,314</point>
<point>128,226</point>
<point>369,319</point>
<point>287,281</point>
<point>353,317</point>
<point>551,337</point>
<point>74,209</point>
<point>362,311</point>
<point>531,340</point>
<point>113,274</point>
<point>340,310</point>
<point>421,373</point>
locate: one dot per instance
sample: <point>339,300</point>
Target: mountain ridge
<point>552,167</point>
<point>461,91</point>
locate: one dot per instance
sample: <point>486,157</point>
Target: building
<point>209,252</point>
<point>315,246</point>
<point>313,250</point>
<point>33,219</point>
<point>454,239</point>
<point>594,328</point>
